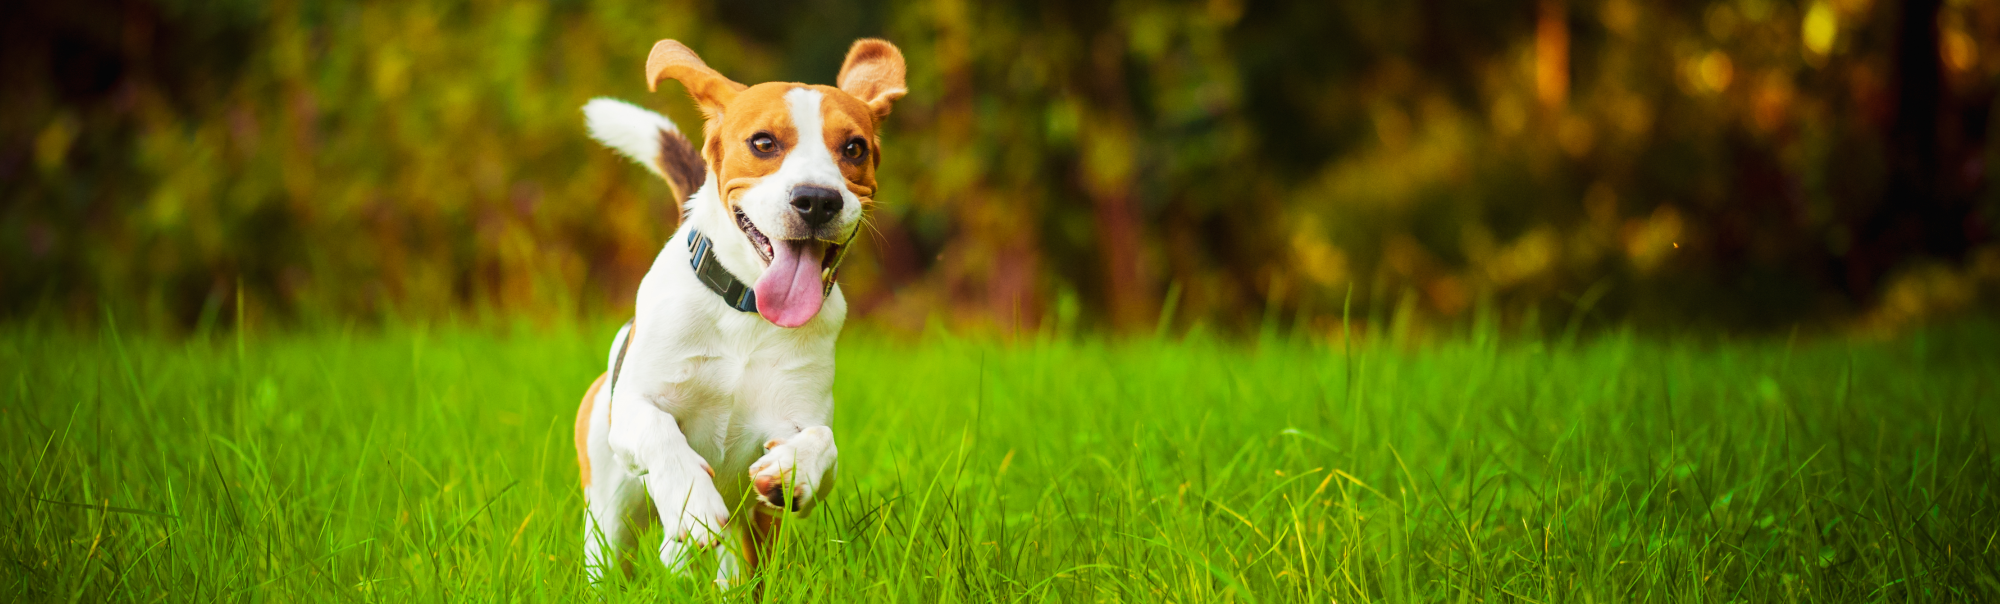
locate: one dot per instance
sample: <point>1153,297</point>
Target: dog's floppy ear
<point>671,59</point>
<point>873,73</point>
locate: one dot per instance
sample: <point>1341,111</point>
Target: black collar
<point>701,256</point>
<point>709,270</point>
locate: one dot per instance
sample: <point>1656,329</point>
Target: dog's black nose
<point>815,204</point>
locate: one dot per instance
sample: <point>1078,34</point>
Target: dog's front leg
<point>678,480</point>
<point>797,471</point>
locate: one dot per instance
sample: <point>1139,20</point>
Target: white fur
<point>705,386</point>
<point>629,130</point>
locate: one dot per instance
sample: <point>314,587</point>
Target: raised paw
<point>692,512</point>
<point>795,472</point>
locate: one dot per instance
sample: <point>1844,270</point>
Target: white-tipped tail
<point>629,130</point>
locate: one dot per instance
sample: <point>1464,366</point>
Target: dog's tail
<point>648,138</point>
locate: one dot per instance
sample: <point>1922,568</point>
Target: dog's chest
<point>737,388</point>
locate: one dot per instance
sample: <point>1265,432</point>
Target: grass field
<point>435,464</point>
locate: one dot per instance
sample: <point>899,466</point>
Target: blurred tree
<point>1234,163</point>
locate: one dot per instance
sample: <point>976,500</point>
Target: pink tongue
<point>790,292</point>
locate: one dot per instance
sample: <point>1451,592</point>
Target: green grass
<point>434,465</point>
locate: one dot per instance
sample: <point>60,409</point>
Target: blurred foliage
<point>1137,165</point>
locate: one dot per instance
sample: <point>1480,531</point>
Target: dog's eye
<point>854,149</point>
<point>763,144</point>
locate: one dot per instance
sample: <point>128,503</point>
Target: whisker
<point>868,221</point>
<point>877,237</point>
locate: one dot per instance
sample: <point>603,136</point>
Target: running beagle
<point>712,416</point>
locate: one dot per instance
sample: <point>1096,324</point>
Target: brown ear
<point>671,59</point>
<point>873,73</point>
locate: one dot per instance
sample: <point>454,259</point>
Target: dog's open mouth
<point>757,238</point>
<point>766,251</point>
<point>796,272</point>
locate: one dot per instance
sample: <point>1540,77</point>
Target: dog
<point>713,413</point>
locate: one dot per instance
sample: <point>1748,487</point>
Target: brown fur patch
<point>759,108</point>
<point>844,118</point>
<point>583,427</point>
<point>873,73</point>
<point>757,541</point>
<point>682,165</point>
<point>671,59</point>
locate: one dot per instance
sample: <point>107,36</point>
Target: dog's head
<point>792,163</point>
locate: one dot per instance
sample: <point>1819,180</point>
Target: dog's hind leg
<point>610,525</point>
<point>605,530</point>
<point>615,509</point>
<point>729,557</point>
<point>749,548</point>
<point>759,536</point>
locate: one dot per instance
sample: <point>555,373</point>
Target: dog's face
<point>793,164</point>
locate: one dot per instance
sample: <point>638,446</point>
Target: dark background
<point>1123,166</point>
